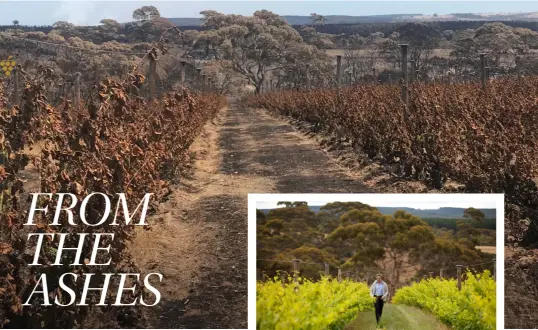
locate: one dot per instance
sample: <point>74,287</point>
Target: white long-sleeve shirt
<point>385,292</point>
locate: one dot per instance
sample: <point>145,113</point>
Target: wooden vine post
<point>412,77</point>
<point>183,72</point>
<point>16,87</point>
<point>326,269</point>
<point>151,78</point>
<point>441,273</point>
<point>199,77</point>
<point>405,93</point>
<point>338,72</point>
<point>204,82</point>
<point>495,269</point>
<point>459,276</point>
<point>295,270</point>
<point>290,79</point>
<point>77,89</point>
<point>339,274</point>
<point>483,71</point>
<point>307,73</point>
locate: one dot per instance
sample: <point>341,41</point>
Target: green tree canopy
<point>375,237</point>
<point>474,214</point>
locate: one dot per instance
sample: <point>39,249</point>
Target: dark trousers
<point>378,308</point>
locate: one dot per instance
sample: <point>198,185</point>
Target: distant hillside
<point>443,212</point>
<point>392,18</point>
<point>305,20</point>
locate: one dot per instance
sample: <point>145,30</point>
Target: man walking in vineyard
<point>380,291</point>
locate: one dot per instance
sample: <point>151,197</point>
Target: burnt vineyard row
<point>114,143</point>
<point>486,141</point>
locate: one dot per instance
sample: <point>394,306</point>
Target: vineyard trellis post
<point>441,273</point>
<point>307,73</point>
<point>152,73</point>
<point>290,79</point>
<point>183,73</point>
<point>326,269</point>
<point>204,82</point>
<point>209,84</point>
<point>338,72</point>
<point>488,70</point>
<point>295,270</point>
<point>405,94</point>
<point>459,276</point>
<point>16,88</point>
<point>77,89</point>
<point>483,70</point>
<point>339,274</point>
<point>495,269</point>
<point>412,77</point>
<point>199,77</point>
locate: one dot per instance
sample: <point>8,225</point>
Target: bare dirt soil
<point>199,237</point>
<point>487,249</point>
<point>521,290</point>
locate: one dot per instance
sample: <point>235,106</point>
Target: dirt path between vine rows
<point>199,239</point>
<point>397,317</point>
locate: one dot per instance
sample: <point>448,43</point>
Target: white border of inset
<point>498,199</point>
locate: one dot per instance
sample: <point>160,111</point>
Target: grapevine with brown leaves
<point>115,143</point>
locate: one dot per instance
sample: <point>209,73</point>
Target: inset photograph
<point>377,261</point>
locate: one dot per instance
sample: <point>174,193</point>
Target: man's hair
<point>378,275</point>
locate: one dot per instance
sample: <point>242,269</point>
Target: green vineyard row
<point>472,308</point>
<point>325,304</point>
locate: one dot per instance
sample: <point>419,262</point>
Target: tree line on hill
<point>290,54</point>
<point>357,237</point>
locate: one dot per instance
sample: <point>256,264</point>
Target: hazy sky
<point>419,201</point>
<point>91,12</point>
